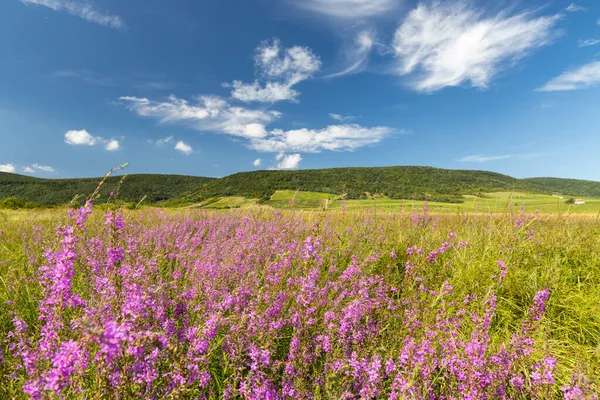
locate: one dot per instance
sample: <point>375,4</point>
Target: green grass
<point>563,255</point>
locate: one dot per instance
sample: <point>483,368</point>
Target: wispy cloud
<point>356,54</point>
<point>453,43</point>
<point>32,169</point>
<point>45,168</point>
<point>582,77</point>
<point>163,141</point>
<point>279,70</point>
<point>144,81</point>
<point>348,9</point>
<point>290,161</point>
<point>84,138</point>
<point>83,75</point>
<point>257,162</point>
<point>208,113</point>
<point>588,42</point>
<point>480,158</point>
<point>574,8</point>
<point>342,118</point>
<point>8,168</point>
<point>82,10</point>
<point>184,148</point>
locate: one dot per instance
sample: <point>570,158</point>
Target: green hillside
<point>394,182</point>
<point>575,187</point>
<point>61,191</point>
<point>416,183</point>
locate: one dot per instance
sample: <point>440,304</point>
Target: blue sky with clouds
<point>217,87</point>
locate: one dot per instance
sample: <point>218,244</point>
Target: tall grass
<point>260,303</point>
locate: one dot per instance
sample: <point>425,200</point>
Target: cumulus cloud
<point>583,77</point>
<point>479,158</point>
<point>257,162</point>
<point>7,168</point>
<point>28,170</point>
<point>279,70</point>
<point>574,8</point>
<point>589,42</point>
<point>81,138</point>
<point>452,43</point>
<point>334,137</point>
<point>184,148</point>
<point>288,161</point>
<point>348,9</point>
<point>112,145</point>
<point>82,10</point>
<point>84,138</point>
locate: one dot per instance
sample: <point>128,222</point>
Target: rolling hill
<point>156,188</point>
<point>403,182</point>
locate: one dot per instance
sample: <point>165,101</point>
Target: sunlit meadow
<point>282,304</point>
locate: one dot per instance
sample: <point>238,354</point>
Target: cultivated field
<point>490,202</point>
<point>260,303</point>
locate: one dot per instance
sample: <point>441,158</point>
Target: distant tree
<point>570,201</point>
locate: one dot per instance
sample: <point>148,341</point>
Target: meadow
<point>264,303</point>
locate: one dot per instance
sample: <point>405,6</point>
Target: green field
<point>491,202</point>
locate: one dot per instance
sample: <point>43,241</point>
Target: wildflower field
<point>258,303</point>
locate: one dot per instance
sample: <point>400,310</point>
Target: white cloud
<point>83,75</point>
<point>583,77</point>
<point>45,168</point>
<point>342,118</point>
<point>82,10</point>
<point>479,158</point>
<point>589,42</point>
<point>257,162</point>
<point>28,170</point>
<point>213,114</point>
<point>281,69</point>
<point>288,161</point>
<point>112,145</point>
<point>335,138</point>
<point>7,167</point>
<point>163,141</point>
<point>84,138</point>
<point>271,92</point>
<point>80,138</point>
<point>209,113</point>
<point>184,148</point>
<point>574,8</point>
<point>348,9</point>
<point>356,54</point>
<point>451,43</point>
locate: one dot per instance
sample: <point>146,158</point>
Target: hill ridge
<point>416,182</point>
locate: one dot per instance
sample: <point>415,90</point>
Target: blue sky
<point>216,87</point>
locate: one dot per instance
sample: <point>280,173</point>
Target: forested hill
<point>61,191</point>
<point>434,184</point>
